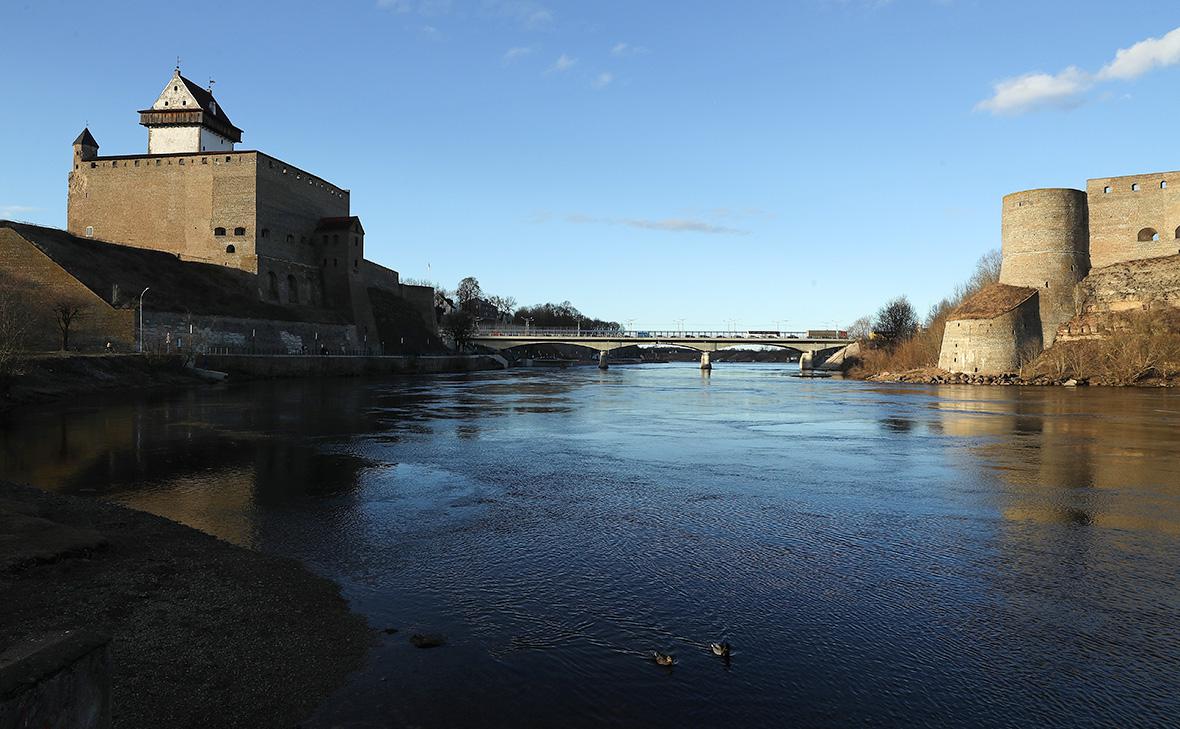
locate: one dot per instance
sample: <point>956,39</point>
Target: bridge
<point>706,342</point>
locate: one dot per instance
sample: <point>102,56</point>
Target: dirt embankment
<point>204,633</point>
<point>50,377</point>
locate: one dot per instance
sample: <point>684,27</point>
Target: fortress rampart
<point>1053,241</point>
<point>1045,238</point>
<point>226,208</point>
<point>281,241</point>
<point>1134,217</point>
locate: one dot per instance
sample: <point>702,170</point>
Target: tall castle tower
<point>1045,244</point>
<point>186,118</point>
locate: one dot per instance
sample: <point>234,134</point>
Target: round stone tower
<point>1046,246</point>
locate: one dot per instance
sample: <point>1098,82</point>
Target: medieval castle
<point>1061,249</point>
<point>236,248</point>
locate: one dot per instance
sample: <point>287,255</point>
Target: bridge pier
<point>602,360</point>
<point>805,361</point>
<point>705,363</point>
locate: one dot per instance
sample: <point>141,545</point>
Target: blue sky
<point>764,164</point>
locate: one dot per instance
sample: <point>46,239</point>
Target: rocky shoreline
<point>204,633</point>
<point>942,377</point>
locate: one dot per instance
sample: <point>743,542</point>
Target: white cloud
<point>515,54</point>
<point>8,212</point>
<point>1142,57</point>
<point>602,80</point>
<point>562,64</point>
<point>1065,90</point>
<point>622,50</point>
<point>1034,91</point>
<point>666,225</point>
<point>530,15</point>
<point>421,7</point>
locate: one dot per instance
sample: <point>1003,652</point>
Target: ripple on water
<point>877,555</point>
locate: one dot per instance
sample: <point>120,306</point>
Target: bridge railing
<point>567,332</point>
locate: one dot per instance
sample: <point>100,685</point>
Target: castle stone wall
<point>992,346</point>
<point>291,203</point>
<point>1045,236</point>
<point>1121,208</point>
<point>172,332</point>
<point>172,203</point>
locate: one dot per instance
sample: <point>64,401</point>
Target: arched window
<point>290,238</point>
<point>310,289</point>
<point>292,289</point>
<point>239,231</point>
<point>273,282</point>
<point>1148,234</point>
<point>219,231</point>
<point>1134,187</point>
<point>1106,190</point>
<point>265,232</point>
<point>230,248</point>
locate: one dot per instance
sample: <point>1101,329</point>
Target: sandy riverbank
<point>203,633</point>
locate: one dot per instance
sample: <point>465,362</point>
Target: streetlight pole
<point>141,293</point>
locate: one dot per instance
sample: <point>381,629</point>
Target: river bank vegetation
<point>1139,347</point>
<point>895,341</point>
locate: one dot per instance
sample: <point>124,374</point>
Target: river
<point>875,554</point>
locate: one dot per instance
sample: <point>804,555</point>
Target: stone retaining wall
<point>346,366</point>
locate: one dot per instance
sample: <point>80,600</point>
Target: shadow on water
<point>877,554</point>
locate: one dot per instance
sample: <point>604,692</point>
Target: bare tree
<point>459,325</point>
<point>67,312</point>
<point>860,329</point>
<point>13,328</point>
<point>987,270</point>
<point>896,322</point>
<point>468,293</point>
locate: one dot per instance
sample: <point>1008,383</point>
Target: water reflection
<point>878,554</point>
<point>1067,455</point>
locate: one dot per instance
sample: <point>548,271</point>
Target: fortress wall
<point>422,299</point>
<point>309,282</point>
<point>171,203</point>
<point>38,284</point>
<point>1118,212</point>
<point>992,346</point>
<point>1045,237</point>
<point>175,332</point>
<point>291,203</point>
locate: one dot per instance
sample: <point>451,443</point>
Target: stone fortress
<point>287,248</point>
<point>1067,256</point>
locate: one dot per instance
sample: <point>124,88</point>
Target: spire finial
<point>211,82</point>
<point>178,64</point>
